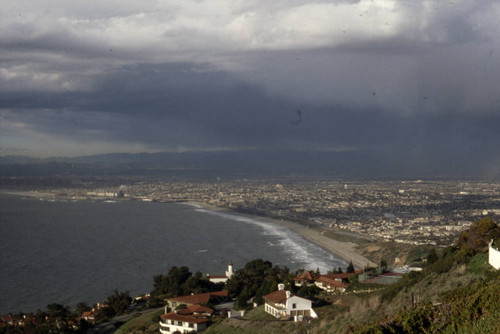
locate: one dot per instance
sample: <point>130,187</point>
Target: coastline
<point>29,193</point>
<point>340,249</point>
<point>337,248</point>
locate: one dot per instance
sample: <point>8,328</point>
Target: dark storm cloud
<point>418,79</point>
<point>177,106</point>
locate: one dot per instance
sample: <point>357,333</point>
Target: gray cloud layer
<point>82,78</point>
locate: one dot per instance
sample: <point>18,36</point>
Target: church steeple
<point>229,271</point>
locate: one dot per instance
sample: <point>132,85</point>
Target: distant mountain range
<point>359,164</point>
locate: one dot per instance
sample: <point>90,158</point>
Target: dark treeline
<point>58,318</point>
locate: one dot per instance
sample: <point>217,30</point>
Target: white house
<point>331,284</point>
<point>493,256</point>
<point>173,322</point>
<point>282,303</point>
<point>222,278</point>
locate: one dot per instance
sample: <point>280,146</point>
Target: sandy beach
<point>340,249</point>
<point>30,193</point>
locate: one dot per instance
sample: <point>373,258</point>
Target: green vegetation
<point>350,268</point>
<point>456,292</point>
<point>415,254</point>
<point>257,279</point>
<point>258,313</point>
<point>472,306</point>
<point>479,235</point>
<point>117,303</point>
<point>146,323</point>
<point>180,282</point>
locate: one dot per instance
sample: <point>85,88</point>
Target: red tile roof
<point>201,298</point>
<point>222,293</point>
<point>200,309</point>
<point>185,318</point>
<point>88,314</point>
<point>277,296</point>
<point>332,282</point>
<point>307,276</point>
<point>342,276</point>
<point>191,309</point>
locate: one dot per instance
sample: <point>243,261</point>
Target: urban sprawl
<point>416,212</point>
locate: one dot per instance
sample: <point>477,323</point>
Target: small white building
<point>282,303</point>
<point>173,322</point>
<point>493,256</point>
<point>222,278</point>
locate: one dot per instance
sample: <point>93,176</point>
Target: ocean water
<point>72,251</point>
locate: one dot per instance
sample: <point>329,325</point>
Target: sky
<point>92,77</point>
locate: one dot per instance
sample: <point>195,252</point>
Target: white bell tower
<point>229,271</point>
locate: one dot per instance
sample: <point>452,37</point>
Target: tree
<point>383,264</point>
<point>258,298</point>
<point>350,267</point>
<point>171,284</point>
<point>241,301</point>
<point>479,235</point>
<point>432,257</point>
<point>58,311</point>
<point>253,275</point>
<point>118,302</point>
<point>181,307</point>
<point>82,307</point>
<point>308,291</point>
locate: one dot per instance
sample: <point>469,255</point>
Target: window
<point>294,305</point>
<point>191,325</point>
<point>179,323</point>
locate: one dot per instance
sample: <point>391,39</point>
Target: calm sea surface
<point>68,252</point>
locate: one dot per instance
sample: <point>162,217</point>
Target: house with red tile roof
<point>331,284</point>
<point>307,278</point>
<point>183,323</point>
<point>284,304</point>
<point>197,310</point>
<point>89,315</point>
<point>201,298</point>
<point>335,282</point>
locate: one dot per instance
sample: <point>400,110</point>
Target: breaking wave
<point>301,252</point>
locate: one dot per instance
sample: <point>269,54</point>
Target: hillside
<point>456,292</point>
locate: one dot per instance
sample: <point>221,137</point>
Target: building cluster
<point>331,283</point>
<point>417,212</point>
<point>186,314</point>
<point>32,322</point>
<point>283,304</point>
<point>190,313</point>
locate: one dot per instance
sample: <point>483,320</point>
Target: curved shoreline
<point>340,249</point>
